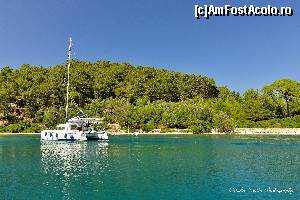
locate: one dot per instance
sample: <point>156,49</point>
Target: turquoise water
<point>151,167</point>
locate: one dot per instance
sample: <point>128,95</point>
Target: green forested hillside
<point>33,98</point>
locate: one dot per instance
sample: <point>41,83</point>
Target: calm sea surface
<point>151,167</point>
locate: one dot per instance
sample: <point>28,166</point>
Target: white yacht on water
<point>77,128</point>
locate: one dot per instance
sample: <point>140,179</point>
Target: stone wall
<point>281,131</point>
<point>264,131</point>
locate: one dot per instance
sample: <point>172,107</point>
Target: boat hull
<point>55,135</point>
<point>97,136</point>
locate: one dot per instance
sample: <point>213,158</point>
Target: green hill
<point>33,98</point>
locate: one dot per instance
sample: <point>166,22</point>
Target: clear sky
<point>239,52</point>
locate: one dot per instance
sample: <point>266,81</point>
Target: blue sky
<point>239,52</point>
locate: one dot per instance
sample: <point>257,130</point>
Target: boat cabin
<point>68,127</point>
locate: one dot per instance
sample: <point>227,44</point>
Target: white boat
<point>67,131</point>
<point>76,128</point>
<point>135,133</point>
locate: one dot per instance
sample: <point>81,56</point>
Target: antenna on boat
<point>68,84</point>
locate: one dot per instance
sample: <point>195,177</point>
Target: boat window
<point>73,127</point>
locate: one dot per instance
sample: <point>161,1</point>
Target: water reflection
<point>170,168</point>
<point>65,163</point>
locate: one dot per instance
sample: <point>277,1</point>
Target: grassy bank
<point>19,134</point>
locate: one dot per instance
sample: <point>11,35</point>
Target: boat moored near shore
<point>77,128</point>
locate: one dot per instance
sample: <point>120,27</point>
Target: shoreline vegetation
<point>3,134</point>
<point>237,131</point>
<point>141,99</point>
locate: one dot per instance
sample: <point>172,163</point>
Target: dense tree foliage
<point>140,98</point>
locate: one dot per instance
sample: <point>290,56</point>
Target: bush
<point>200,126</point>
<point>21,127</point>
<point>33,128</point>
<point>51,117</point>
<point>103,125</point>
<point>166,130</point>
<point>149,126</point>
<point>223,123</point>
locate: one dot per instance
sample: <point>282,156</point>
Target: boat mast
<point>68,84</point>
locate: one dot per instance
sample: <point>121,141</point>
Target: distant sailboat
<point>77,128</point>
<point>135,133</point>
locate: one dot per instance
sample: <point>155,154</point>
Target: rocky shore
<point>267,131</point>
<point>20,133</point>
<point>236,131</point>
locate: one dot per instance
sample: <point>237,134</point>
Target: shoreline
<point>154,133</point>
<point>209,134</point>
<point>236,131</point>
<point>20,134</point>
